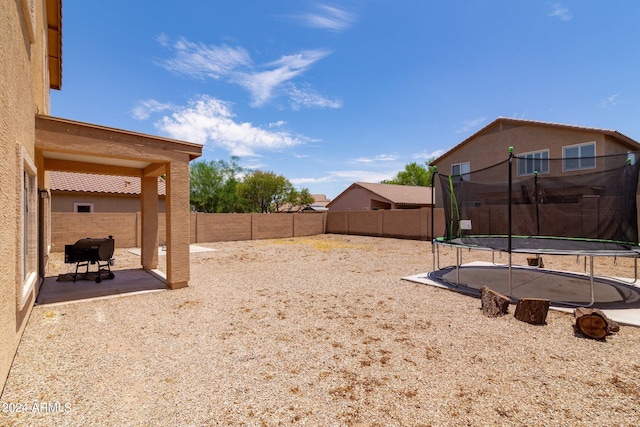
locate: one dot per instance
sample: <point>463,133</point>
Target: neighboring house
<point>364,196</point>
<point>320,200</point>
<point>82,192</point>
<point>319,204</point>
<point>32,144</point>
<point>537,142</point>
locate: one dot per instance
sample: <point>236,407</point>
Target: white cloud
<point>261,85</point>
<point>557,10</point>
<point>328,18</point>
<point>610,101</point>
<point>235,66</point>
<point>306,97</point>
<point>378,158</point>
<point>202,61</point>
<point>432,155</point>
<point>469,125</point>
<point>346,176</point>
<point>210,121</point>
<point>145,108</point>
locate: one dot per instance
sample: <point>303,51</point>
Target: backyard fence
<point>67,227</point>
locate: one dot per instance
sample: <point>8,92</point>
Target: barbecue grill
<point>91,251</point>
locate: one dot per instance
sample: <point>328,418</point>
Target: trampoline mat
<point>562,288</point>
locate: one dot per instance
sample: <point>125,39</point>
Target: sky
<point>332,93</point>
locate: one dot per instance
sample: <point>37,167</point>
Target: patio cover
<point>71,146</point>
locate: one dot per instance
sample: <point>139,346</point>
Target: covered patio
<point>71,146</point>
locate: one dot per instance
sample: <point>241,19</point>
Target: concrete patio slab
<point>125,282</point>
<point>163,251</point>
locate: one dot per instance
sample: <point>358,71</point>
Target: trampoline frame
<point>625,253</point>
<point>436,243</point>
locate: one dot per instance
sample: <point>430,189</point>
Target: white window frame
<point>579,157</point>
<point>632,157</point>
<point>523,159</point>
<point>461,166</point>
<point>28,237</point>
<point>76,205</point>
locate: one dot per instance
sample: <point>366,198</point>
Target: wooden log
<point>532,310</point>
<point>593,323</point>
<point>494,304</point>
<point>535,261</point>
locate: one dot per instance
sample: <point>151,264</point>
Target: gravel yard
<point>316,331</point>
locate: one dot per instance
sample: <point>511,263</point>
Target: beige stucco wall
<point>493,147</point>
<point>358,199</point>
<point>23,91</point>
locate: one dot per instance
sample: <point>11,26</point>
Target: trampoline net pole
<point>433,237</point>
<point>510,217</point>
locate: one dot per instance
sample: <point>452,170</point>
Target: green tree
<point>264,191</point>
<point>413,174</point>
<point>299,199</point>
<point>213,185</point>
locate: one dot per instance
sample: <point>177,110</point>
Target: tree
<point>213,185</point>
<point>264,191</point>
<point>299,199</point>
<point>413,174</point>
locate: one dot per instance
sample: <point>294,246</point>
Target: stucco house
<point>536,141</point>
<point>32,143</point>
<point>364,196</point>
<point>540,148</point>
<point>83,192</point>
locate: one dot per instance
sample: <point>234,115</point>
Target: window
<point>460,169</point>
<point>29,228</point>
<point>536,161</point>
<point>83,207</point>
<point>580,156</point>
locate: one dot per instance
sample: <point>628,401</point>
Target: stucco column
<point>178,224</point>
<point>149,208</point>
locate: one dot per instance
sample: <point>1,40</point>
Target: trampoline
<point>578,206</point>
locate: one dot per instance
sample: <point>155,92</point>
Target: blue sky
<point>330,93</point>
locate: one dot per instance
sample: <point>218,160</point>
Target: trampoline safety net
<point>579,201</point>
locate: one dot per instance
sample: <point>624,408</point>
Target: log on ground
<point>494,304</point>
<point>532,310</point>
<point>593,323</point>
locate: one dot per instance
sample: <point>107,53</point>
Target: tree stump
<point>593,323</point>
<point>532,310</point>
<point>494,304</point>
<point>535,261</point>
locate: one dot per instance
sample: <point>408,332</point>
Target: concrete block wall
<point>221,227</point>
<point>271,226</point>
<point>308,224</point>
<point>401,223</point>
<point>69,227</point>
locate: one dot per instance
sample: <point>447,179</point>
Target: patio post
<point>149,208</point>
<point>178,223</point>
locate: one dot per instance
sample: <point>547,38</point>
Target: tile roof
<point>320,199</point>
<point>90,183</point>
<point>399,194</point>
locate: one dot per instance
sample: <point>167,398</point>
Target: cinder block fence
<point>67,228</point>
